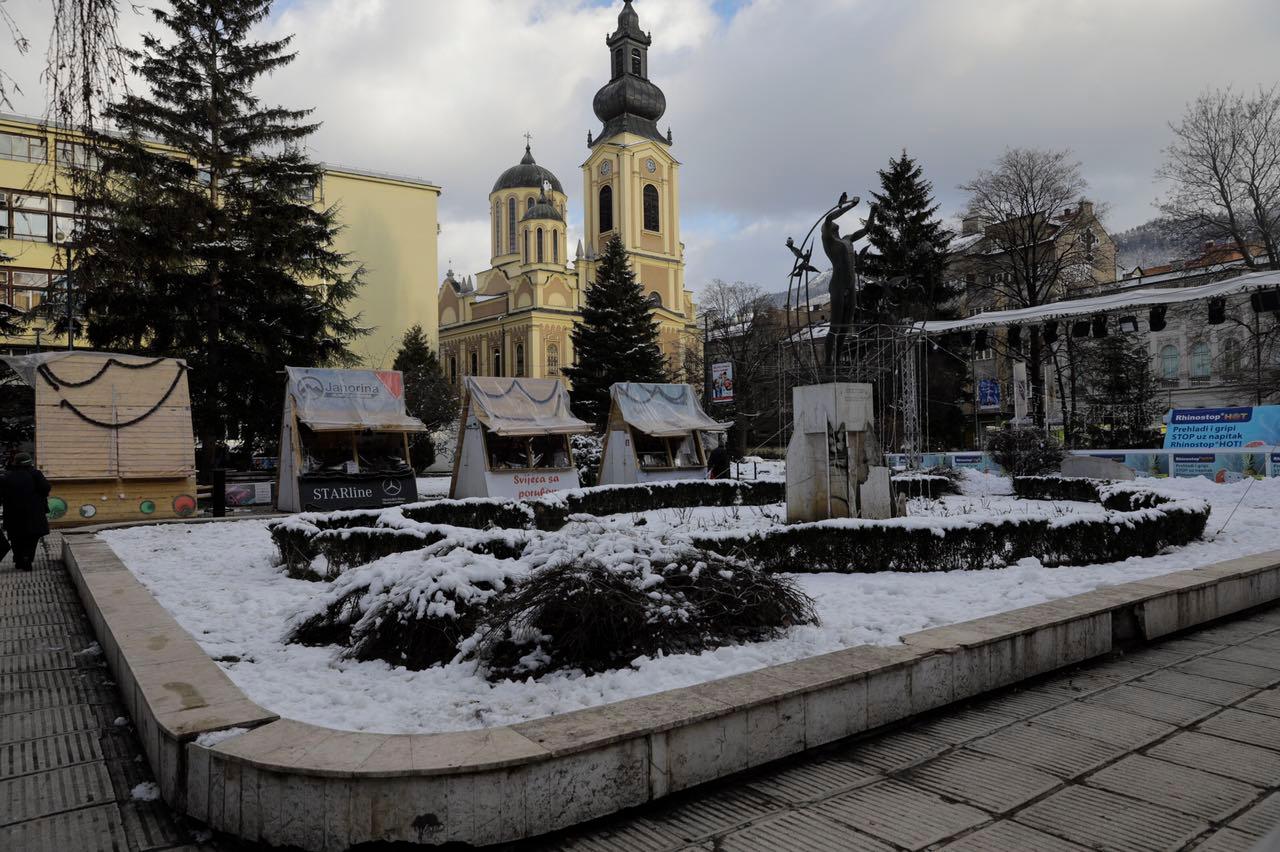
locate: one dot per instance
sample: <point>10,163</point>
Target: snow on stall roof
<point>1114,301</point>
<point>663,410</point>
<point>523,406</point>
<point>221,584</point>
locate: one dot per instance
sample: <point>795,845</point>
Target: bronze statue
<point>844,275</point>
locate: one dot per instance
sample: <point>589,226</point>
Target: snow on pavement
<point>219,582</point>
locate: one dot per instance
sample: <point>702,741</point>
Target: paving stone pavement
<point>69,759</point>
<point>1172,746</point>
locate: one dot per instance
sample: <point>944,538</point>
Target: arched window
<point>655,299</point>
<point>453,369</point>
<point>637,66</point>
<point>541,257</point>
<point>555,246</point>
<point>606,209</point>
<point>1169,363</point>
<point>1200,361</point>
<point>497,228</point>
<point>520,359</point>
<point>553,360</point>
<point>511,225</point>
<point>617,63</point>
<point>652,218</point>
<point>526,245</point>
<point>497,361</point>
<point>529,206</point>
<point>1231,362</point>
<point>475,363</point>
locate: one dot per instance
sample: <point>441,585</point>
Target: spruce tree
<point>213,250</point>
<point>617,340</point>
<point>428,394</point>
<point>910,243</point>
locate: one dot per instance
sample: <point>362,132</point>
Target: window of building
<point>655,299</point>
<point>453,369</point>
<point>511,226</point>
<point>617,63</point>
<point>475,363</point>
<point>76,155</point>
<point>652,219</point>
<point>529,205</point>
<point>541,256</point>
<point>1231,361</point>
<point>606,209</point>
<point>520,359</point>
<point>526,245</point>
<point>553,359</point>
<point>555,247</point>
<point>496,361</point>
<point>26,290</point>
<point>637,64</point>
<point>497,228</point>
<point>1169,363</point>
<point>30,217</point>
<point>28,149</point>
<point>1200,361</point>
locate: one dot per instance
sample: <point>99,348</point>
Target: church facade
<point>516,318</point>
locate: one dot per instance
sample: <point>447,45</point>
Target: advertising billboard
<point>722,383</point>
<point>1223,428</point>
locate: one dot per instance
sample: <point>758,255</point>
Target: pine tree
<point>428,394</point>
<point>617,340</point>
<point>213,251</point>
<point>910,243</point>
<point>1121,394</point>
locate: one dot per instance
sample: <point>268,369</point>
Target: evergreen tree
<point>213,251</point>
<point>910,243</point>
<point>428,394</point>
<point>1121,395</point>
<point>909,262</point>
<point>617,340</point>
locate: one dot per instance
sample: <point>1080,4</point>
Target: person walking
<point>718,461</point>
<point>24,495</point>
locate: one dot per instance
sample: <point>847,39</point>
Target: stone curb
<point>289,783</point>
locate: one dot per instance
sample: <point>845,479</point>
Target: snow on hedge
<point>221,582</point>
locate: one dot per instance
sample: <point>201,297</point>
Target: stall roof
<point>518,407</point>
<point>664,411</point>
<point>1109,302</point>
<point>351,400</point>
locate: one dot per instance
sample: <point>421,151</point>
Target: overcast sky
<point>777,106</point>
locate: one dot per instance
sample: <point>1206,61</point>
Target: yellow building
<point>515,318</point>
<point>389,224</point>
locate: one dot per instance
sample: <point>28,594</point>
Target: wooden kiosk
<point>655,434</point>
<point>344,441</point>
<point>113,435</point>
<point>513,440</point>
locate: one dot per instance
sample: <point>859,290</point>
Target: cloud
<point>777,106</point>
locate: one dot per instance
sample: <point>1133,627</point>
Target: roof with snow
<point>661,410</point>
<point>1110,302</point>
<point>523,407</point>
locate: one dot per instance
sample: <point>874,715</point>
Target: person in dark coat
<point>24,495</point>
<point>718,461</point>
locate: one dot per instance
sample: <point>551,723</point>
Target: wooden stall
<point>655,434</point>
<point>513,440</point>
<point>344,441</point>
<point>113,435</point>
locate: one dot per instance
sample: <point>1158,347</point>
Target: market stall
<point>113,435</point>
<point>655,434</point>
<point>344,441</point>
<point>514,439</point>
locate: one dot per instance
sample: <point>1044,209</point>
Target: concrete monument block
<point>834,465</point>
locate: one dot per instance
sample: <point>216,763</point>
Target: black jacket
<point>24,494</point>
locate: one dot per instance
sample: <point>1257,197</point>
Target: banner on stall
<point>1223,428</point>
<point>1220,467</point>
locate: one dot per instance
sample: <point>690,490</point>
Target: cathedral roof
<point>630,103</point>
<point>629,26</point>
<point>544,209</point>
<point>527,175</point>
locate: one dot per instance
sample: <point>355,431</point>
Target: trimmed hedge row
<point>554,510</point>
<point>1139,522</point>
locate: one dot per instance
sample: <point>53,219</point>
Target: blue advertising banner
<point>1223,428</point>
<point>989,394</point>
<point>1220,467</point>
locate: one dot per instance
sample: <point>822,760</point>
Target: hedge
<point>1138,522</point>
<point>554,510</point>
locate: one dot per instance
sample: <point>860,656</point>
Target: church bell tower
<point>631,182</point>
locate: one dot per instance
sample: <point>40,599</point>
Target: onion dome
<point>629,102</point>
<point>527,175</point>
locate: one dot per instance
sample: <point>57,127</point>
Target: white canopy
<point>664,411</point>
<point>351,400</point>
<point>1107,303</point>
<point>521,407</point>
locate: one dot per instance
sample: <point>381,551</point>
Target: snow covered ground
<point>219,582</point>
<point>433,486</point>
